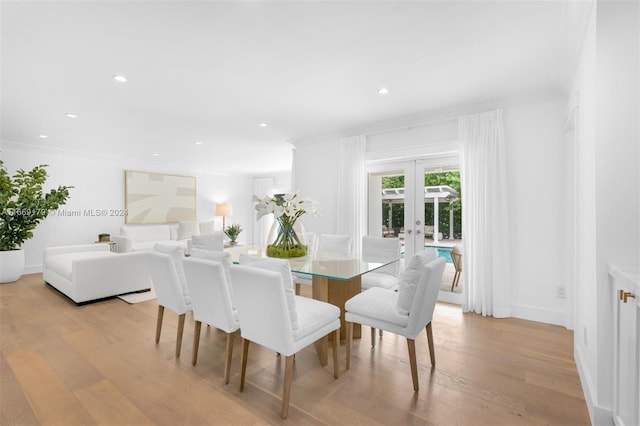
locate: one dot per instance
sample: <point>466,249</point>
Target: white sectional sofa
<point>89,272</point>
<point>144,237</point>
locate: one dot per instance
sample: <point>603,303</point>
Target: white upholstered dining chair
<point>272,316</point>
<point>405,312</point>
<point>211,299</point>
<point>378,249</point>
<point>167,275</point>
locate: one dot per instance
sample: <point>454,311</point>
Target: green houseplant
<point>233,231</point>
<point>23,205</point>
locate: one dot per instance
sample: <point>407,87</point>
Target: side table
<point>112,244</point>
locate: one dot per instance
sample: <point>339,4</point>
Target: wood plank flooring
<point>61,364</point>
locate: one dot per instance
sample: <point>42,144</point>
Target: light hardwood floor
<point>98,364</point>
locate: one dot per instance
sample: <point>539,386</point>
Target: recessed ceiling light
<point>71,115</point>
<point>198,142</point>
<point>383,91</point>
<point>155,154</point>
<point>263,124</point>
<point>42,136</point>
<point>120,78</point>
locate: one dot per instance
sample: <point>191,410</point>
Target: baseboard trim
<point>533,313</point>
<point>599,416</point>
<point>33,269</point>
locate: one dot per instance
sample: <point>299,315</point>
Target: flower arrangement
<point>232,231</point>
<point>286,209</point>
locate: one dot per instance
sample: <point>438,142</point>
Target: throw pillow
<point>218,256</point>
<point>187,230</point>
<point>282,266</point>
<point>206,228</point>
<point>177,254</point>
<point>410,278</point>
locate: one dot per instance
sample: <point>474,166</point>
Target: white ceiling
<point>212,71</point>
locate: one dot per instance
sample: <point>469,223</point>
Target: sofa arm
<point>123,244</point>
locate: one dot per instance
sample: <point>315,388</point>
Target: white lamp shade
<point>224,209</point>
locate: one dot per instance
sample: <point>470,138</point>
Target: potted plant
<point>232,232</point>
<point>104,238</point>
<point>23,204</point>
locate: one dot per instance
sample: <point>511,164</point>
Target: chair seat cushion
<point>378,279</point>
<point>379,304</point>
<point>312,315</point>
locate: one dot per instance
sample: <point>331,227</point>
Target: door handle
<point>626,295</point>
<point>418,232</point>
<point>408,231</point>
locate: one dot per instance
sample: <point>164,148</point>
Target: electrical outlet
<point>561,292</point>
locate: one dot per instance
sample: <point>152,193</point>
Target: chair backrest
<point>379,249</point>
<point>262,309</point>
<point>214,241</point>
<point>426,296</point>
<point>166,282</point>
<point>456,256</point>
<point>210,294</point>
<point>312,242</point>
<point>331,245</point>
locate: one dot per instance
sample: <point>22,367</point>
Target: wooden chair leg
<point>196,342</point>
<point>297,289</point>
<point>380,332</point>
<point>159,322</point>
<point>411,344</point>
<point>227,360</point>
<point>243,362</point>
<point>336,345</point>
<point>432,352</point>
<point>456,278</point>
<point>373,337</point>
<point>286,388</point>
<point>180,333</point>
<point>348,343</point>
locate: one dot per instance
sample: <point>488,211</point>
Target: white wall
<point>534,131</point>
<point>99,184</point>
<point>607,187</point>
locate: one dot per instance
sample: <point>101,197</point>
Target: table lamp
<point>223,209</point>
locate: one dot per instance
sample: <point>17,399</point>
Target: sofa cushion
<point>62,264</point>
<point>149,245</point>
<point>408,282</point>
<point>281,266</point>
<point>187,230</point>
<point>146,233</point>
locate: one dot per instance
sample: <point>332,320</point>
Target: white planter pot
<point>11,265</point>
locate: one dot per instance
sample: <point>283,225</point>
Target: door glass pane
<point>443,223</point>
<point>387,204</point>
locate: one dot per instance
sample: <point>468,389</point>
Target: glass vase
<point>287,239</point>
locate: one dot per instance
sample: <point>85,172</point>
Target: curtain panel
<point>352,189</point>
<point>485,220</point>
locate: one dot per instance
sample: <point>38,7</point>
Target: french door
<point>399,205</point>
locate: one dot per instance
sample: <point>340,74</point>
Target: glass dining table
<point>334,280</point>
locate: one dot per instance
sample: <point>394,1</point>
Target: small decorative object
<point>286,241</point>
<point>23,204</point>
<point>104,238</point>
<point>232,232</point>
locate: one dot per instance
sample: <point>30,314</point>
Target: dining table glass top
<point>313,265</point>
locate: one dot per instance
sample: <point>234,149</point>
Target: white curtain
<point>485,221</point>
<point>262,187</point>
<point>352,189</point>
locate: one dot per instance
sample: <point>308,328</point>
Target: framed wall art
<point>159,198</point>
